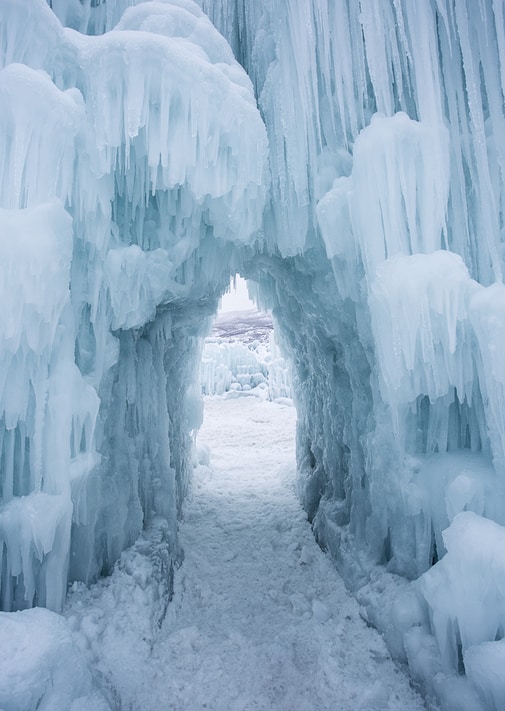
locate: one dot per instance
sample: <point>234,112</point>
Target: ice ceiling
<point>352,165</point>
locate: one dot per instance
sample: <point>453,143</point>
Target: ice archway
<point>364,194</point>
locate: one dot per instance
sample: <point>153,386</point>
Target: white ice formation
<point>363,192</point>
<point>242,357</point>
<point>45,670</point>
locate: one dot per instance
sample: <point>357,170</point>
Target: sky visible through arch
<point>237,298</point>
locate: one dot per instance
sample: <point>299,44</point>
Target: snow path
<point>260,618</point>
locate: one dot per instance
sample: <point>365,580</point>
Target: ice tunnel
<point>346,156</point>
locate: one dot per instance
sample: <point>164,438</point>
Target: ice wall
<point>131,166</point>
<point>385,233</point>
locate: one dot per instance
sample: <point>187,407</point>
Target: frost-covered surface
<point>242,356</point>
<point>365,198</point>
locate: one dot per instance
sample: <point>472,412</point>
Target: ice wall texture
<point>385,126</point>
<point>136,158</point>
<point>132,164</point>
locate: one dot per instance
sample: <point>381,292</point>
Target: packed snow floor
<point>260,619</point>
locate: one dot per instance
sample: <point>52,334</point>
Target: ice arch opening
<point>242,355</point>
<point>364,196</point>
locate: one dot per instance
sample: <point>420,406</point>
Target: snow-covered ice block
<point>431,490</point>
<point>485,667</point>
<point>166,126</point>
<point>454,691</point>
<point>41,668</point>
<point>464,590</point>
<point>418,307</point>
<point>34,547</point>
<point>28,176</point>
<point>487,316</point>
<point>400,181</point>
<point>35,254</point>
<point>333,214</point>
<point>137,282</point>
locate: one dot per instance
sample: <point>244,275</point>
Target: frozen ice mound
<point>418,307</point>
<point>484,664</point>
<point>463,594</point>
<point>35,533</point>
<point>40,666</point>
<point>48,410</point>
<point>464,590</point>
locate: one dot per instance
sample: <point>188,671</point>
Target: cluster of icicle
<point>119,154</point>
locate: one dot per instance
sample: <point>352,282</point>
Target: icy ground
<point>260,619</point>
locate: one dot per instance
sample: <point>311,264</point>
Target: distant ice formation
<point>241,356</point>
